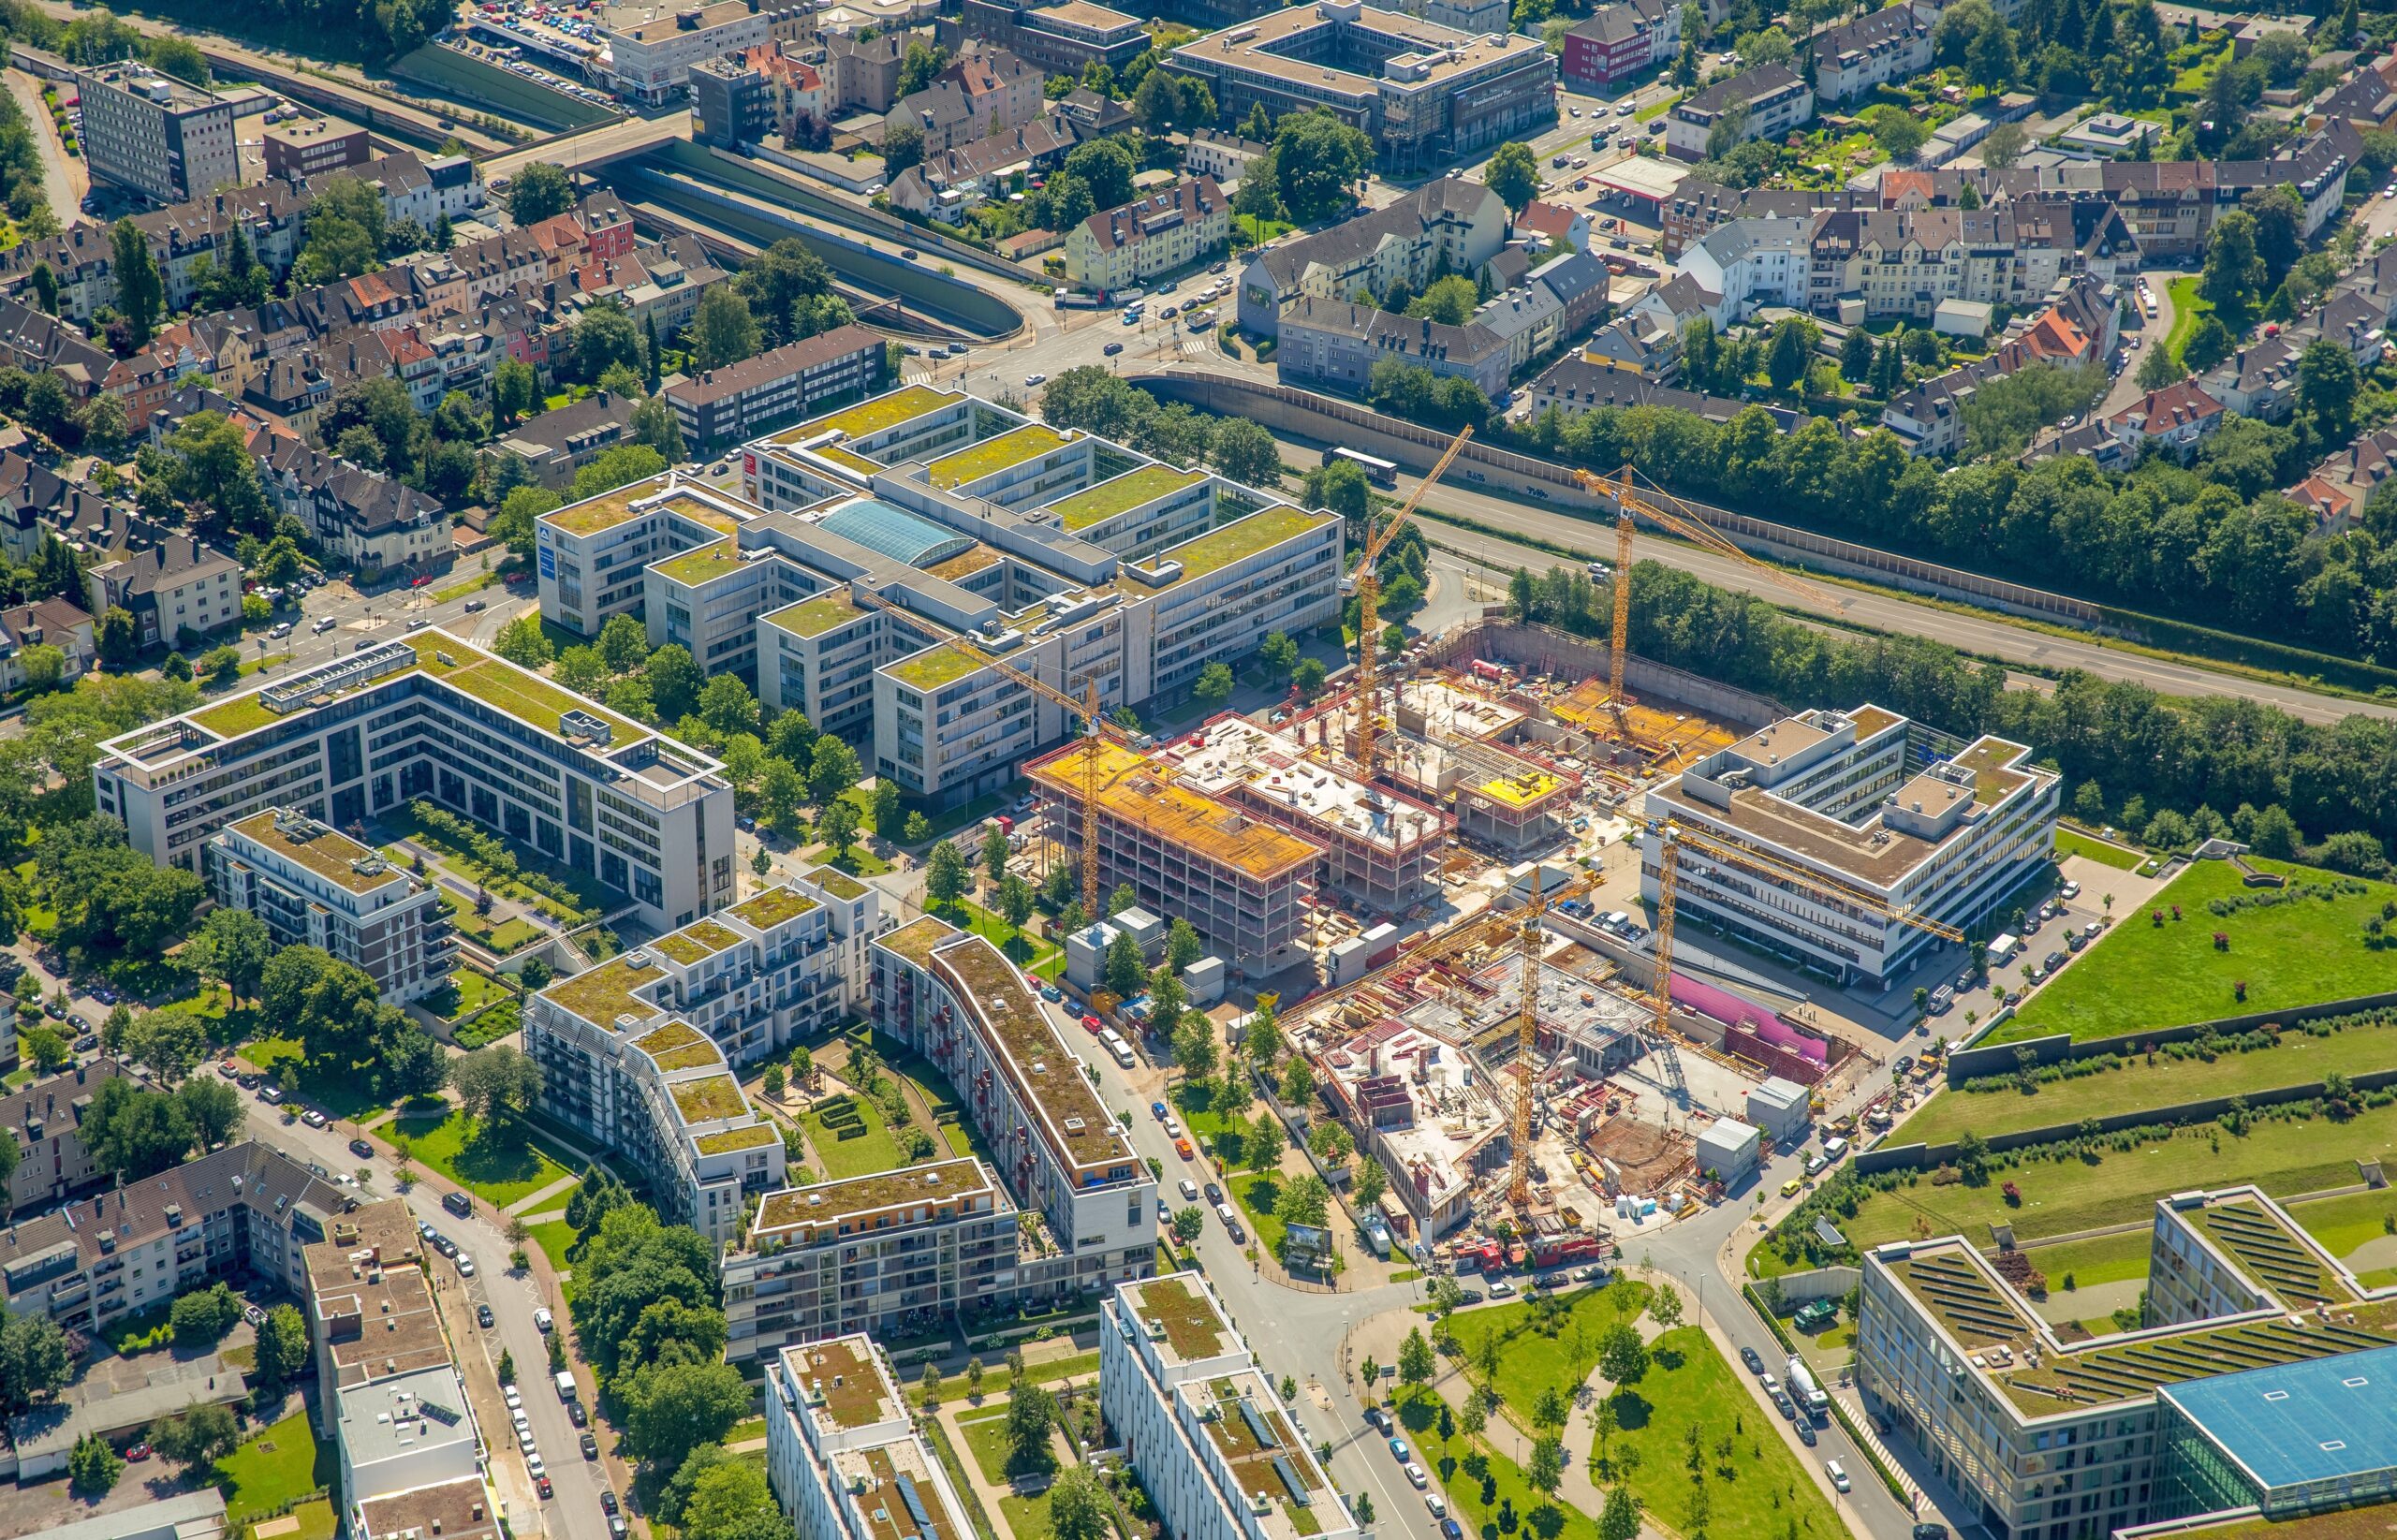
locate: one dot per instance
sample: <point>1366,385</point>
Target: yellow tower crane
<point>1095,725</point>
<point>1518,1181</point>
<point>1369,592</point>
<point>1673,837</point>
<point>1669,513</point>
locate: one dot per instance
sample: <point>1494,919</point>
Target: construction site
<point>1460,869</point>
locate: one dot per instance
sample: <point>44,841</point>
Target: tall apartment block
<point>639,1053</point>
<point>841,1455</point>
<point>314,886</point>
<point>868,538</point>
<point>2259,1385</point>
<point>1218,1452</point>
<point>166,139</point>
<point>886,1254</point>
<point>1923,824</point>
<point>430,716</point>
<point>953,998</point>
<point>1243,883</point>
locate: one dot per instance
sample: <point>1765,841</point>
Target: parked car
<point>314,1119</point>
<point>1748,1357</point>
<point>1500,1290</point>
<point>1837,1473</point>
<point>607,1499</point>
<point>362,1150</point>
<point>590,1447</point>
<point>1398,1450</point>
<point>482,1316</point>
<point>1805,1432</point>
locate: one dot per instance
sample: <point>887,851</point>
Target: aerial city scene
<point>1365,769</point>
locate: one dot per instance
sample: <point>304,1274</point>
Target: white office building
<point>1220,1455</point>
<point>1917,825</point>
<point>314,886</point>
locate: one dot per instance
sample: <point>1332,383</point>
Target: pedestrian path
<point>525,1204</point>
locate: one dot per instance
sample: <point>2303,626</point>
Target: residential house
<point>947,185</point>
<point>1578,280</point>
<point>1449,225</point>
<point>1226,157</point>
<point>2174,419</point>
<point>862,76</point>
<point>371,521</point>
<point>1765,102</point>
<point>550,447</point>
<point>1554,223</point>
<point>2341,486</point>
<point>1529,320</point>
<point>976,97</point>
<point>1579,383</point>
<point>1696,207</point>
<point>44,623</point>
<point>177,591</point>
<point>1619,41</point>
<point>1881,48</point>
<point>1335,343</point>
<point>2079,326</point>
<point>1149,237</point>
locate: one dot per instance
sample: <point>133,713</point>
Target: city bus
<point>1380,472</point>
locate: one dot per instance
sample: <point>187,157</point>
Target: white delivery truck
<point>2003,948</point>
<point>1805,1392</point>
<point>566,1386</point>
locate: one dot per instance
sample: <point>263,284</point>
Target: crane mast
<point>1369,594</point>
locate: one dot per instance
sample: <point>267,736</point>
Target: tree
<point>947,874</point>
<point>1623,1358</point>
<point>1125,970</point>
<point>2234,274</point>
<point>216,1110</point>
<point>133,1133</point>
<point>723,333</point>
<point>141,293</point>
<point>1106,166</point>
<point>282,1346</point>
<point>1278,652</point>
<point>1900,134</point>
<point>1449,301</point>
<point>2004,145</point>
<point>1077,1511</point>
<point>1317,161</point>
<point>1666,1306</point>
<point>2208,344</point>
<point>1308,678</point>
<point>1265,1143</point>
<point>1245,451</point>
<point>521,641</point>
<point>1513,173</point>
<point>1214,685</point>
<point>1621,1519</point>
<point>675,682</point>
<point>1303,1199</point>
<point>672,1408</point>
<point>1792,349</point>
<point>201,1318</point>
<point>539,191</point>
<point>1298,1082</point>
<point>46,1048</point>
<point>2328,384</point>
<point>1031,1412</point>
<point>2158,369</point>
<point>839,825</point>
<point>233,948</point>
<point>833,769</point>
<point>919,67</point>
<point>1415,1363</point>
<point>604,337</point>
<point>198,1439</point>
<point>1182,946</point>
<point>1547,1468</point>
<point>497,1085</point>
<point>1189,1223</point>
<point>94,1467</point>
<point>35,1362</point>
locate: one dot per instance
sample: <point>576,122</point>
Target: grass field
<point>2281,1156</point>
<point>986,1440</point>
<point>345,1099</point>
<point>497,1171</point>
<point>2106,1259</point>
<point>279,1466</point>
<point>468,990</point>
<point>1531,1359</point>
<point>1257,1192</point>
<point>2074,844</point>
<point>553,1238</point>
<point>2343,1224</point>
<point>873,1150</point>
<point>2139,973</point>
<point>1501,1502</point>
<point>2186,309</point>
<point>2298,1060</point>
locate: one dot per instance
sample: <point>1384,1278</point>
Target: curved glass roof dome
<point>897,534</point>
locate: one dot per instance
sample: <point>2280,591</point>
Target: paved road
<point>604,141</point>
<point>2149,333</point>
<point>64,180</point>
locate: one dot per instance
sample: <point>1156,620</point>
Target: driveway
<point>65,180</point>
<point>2125,388</point>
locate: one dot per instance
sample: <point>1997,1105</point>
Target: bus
<point>1380,472</point>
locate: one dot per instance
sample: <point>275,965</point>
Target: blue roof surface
<point>2312,1421</point>
<point>897,534</point>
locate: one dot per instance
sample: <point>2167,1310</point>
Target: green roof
<point>916,939</point>
<point>610,509</point>
<point>871,416</point>
<point>697,943</point>
<point>772,906</point>
<point>1125,493</point>
<point>701,562</point>
<point>837,883</point>
<point>994,455</point>
<point>1240,539</point>
<point>678,1045</point>
<point>814,617</point>
<point>605,993</point>
<point>708,1098</point>
<point>935,665</point>
<point>1192,1327</point>
<point>324,850</point>
<point>755,1136</point>
<point>526,696</point>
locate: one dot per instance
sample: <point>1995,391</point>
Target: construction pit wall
<point>1381,852</point>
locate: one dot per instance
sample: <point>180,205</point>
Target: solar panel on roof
<point>924,1525</point>
<point>1256,1428</point>
<point>1289,1475</point>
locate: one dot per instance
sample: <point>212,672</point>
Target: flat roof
<point>679,1045</point>
<point>774,906</point>
<point>1256,44</point>
<point>385,1418</point>
<point>826,1203</point>
<point>707,1099</point>
<point>916,939</point>
<point>935,665</point>
<point>495,683</point>
<point>701,562</point>
<point>1194,1331</point>
<point>814,617</point>
<point>837,883</point>
<point>2294,1423</point>
<point>1234,757</point>
<point>1260,531</point>
<point>697,942</point>
<point>1119,495</point>
<point>850,1377</point>
<point>725,1141</point>
<point>868,418</point>
<point>1048,1074</point>
<point>1139,792</point>
<point>600,994</point>
<point>995,454</point>
<point>323,849</point>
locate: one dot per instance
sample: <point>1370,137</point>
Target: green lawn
<point>1501,1502</point>
<point>468,990</point>
<point>1533,1355</point>
<point>280,1465</point>
<point>2343,1224</point>
<point>553,1238</point>
<point>1024,950</point>
<point>2072,843</point>
<point>2300,951</point>
<point>2186,309</point>
<point>1690,1385</point>
<point>2106,1259</point>
<point>986,1440</point>
<point>347,1099</point>
<point>1257,1192</point>
<point>2300,1060</point>
<point>2282,1156</point>
<point>498,1171</point>
<point>873,1150</point>
<point>1027,1518</point>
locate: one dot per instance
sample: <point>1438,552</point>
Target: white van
<point>1232,1222</point>
<point>566,1386</point>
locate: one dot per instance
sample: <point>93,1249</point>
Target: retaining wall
<point>2000,1058</point>
<point>1551,650</point>
<point>1821,1283</point>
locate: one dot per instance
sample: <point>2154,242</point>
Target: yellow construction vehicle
<point>1369,592</point>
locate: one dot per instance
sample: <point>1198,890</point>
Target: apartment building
<point>952,997</point>
<point>314,886</point>
<point>841,1455</point>
<point>1336,343</point>
<point>745,399</point>
<point>300,148</point>
<point>2079,326</point>
<point>651,48</point>
<point>1449,225</point>
<point>245,1208</point>
<point>887,1254</point>
<point>429,716</point>
<point>1424,93</point>
<point>47,1120</point>
<point>549,448</point>
<point>1885,47</point>
<point>2254,1386</point>
<point>1134,243</point>
<point>1061,37</point>
<point>1620,40</point>
<point>1219,1452</point>
<point>1868,803</point>
<point>639,1052</point>
<point>1765,102</point>
<point>162,138</point>
<point>980,93</point>
<point>177,591</point>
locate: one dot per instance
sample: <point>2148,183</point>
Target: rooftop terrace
<point>995,454</point>
<point>1122,494</point>
<point>1192,1331</point>
<point>1046,1072</point>
<point>526,697</point>
<point>323,850</point>
<point>1132,790</point>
